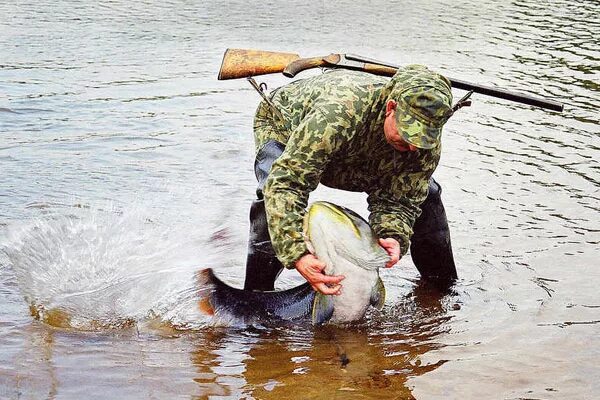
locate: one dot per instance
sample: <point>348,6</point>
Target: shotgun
<point>239,63</point>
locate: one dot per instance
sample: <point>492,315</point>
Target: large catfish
<point>340,238</point>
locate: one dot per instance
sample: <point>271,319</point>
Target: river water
<point>126,166</point>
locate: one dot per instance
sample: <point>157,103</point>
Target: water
<point>126,166</point>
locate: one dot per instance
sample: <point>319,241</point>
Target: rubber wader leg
<point>430,247</point>
<point>262,265</point>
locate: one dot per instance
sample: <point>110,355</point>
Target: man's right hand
<point>311,268</point>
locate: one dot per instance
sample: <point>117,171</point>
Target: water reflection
<point>34,374</point>
<point>373,359</point>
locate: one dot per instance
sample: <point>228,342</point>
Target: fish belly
<point>355,299</point>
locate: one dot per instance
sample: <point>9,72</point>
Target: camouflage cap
<point>424,105</point>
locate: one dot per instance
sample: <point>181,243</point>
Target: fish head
<point>336,234</point>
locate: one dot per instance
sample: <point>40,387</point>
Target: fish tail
<point>206,284</point>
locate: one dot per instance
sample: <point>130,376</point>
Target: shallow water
<point>126,166</point>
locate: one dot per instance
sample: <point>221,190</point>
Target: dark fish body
<point>247,306</point>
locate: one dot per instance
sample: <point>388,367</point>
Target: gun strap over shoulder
<point>261,91</point>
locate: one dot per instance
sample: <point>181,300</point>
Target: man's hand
<point>392,247</point>
<point>310,267</point>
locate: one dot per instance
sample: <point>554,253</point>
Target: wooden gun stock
<point>239,63</point>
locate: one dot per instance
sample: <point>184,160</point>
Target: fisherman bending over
<point>359,132</point>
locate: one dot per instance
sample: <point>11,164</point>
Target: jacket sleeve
<point>395,207</point>
<point>294,175</point>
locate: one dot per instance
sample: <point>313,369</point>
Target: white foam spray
<point>108,269</point>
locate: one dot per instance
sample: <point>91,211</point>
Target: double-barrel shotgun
<point>240,63</point>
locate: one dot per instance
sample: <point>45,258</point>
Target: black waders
<point>262,265</point>
<point>430,246</point>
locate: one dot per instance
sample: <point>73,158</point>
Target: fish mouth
<point>354,240</point>
<point>337,213</point>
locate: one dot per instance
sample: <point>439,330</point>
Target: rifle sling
<point>261,90</point>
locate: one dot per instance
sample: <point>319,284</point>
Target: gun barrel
<point>485,90</point>
<point>506,95</point>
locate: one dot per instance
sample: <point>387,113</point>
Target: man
<point>358,132</point>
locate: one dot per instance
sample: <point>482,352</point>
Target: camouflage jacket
<point>333,132</point>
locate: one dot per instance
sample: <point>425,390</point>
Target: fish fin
<point>205,306</point>
<point>205,279</point>
<point>378,294</point>
<point>322,308</point>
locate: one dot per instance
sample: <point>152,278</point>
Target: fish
<point>347,245</point>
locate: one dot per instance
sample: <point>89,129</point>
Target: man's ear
<point>390,106</point>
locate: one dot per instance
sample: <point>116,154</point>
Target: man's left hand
<point>392,247</point>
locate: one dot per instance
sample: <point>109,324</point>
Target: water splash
<point>106,269</point>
